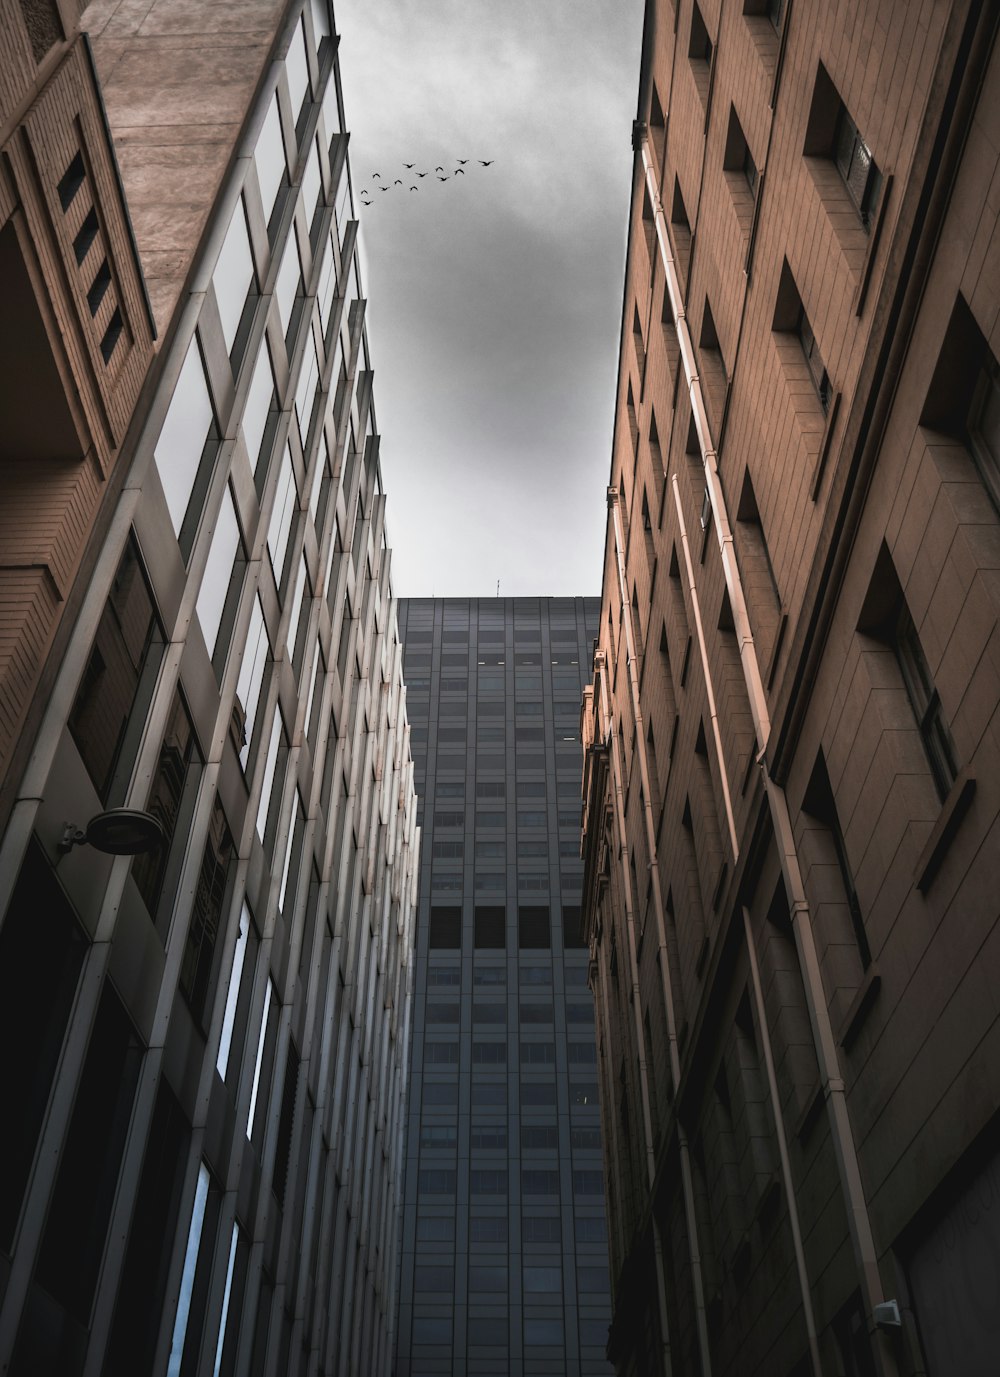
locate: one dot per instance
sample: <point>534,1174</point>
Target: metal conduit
<point>600,660</point>
<point>687,1183</point>
<point>834,1090</point>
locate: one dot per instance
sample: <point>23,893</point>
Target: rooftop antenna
<point>498,587</point>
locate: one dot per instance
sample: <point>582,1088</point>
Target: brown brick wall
<point>917,1033</point>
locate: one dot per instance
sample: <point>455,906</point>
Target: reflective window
<point>306,390</point>
<point>269,157</point>
<point>269,998</point>
<point>232,994</point>
<point>197,974</point>
<point>325,292</point>
<point>322,472</point>
<point>233,276</point>
<point>312,185</point>
<point>270,761</point>
<point>186,437</point>
<point>286,286</point>
<point>321,21</point>
<point>285,502</point>
<point>251,680</point>
<point>227,1296</point>
<point>260,406</point>
<point>344,209</point>
<point>187,1277</point>
<point>331,110</point>
<point>297,595</point>
<point>219,571</point>
<point>297,70</point>
<point>109,713</point>
<point>171,801</point>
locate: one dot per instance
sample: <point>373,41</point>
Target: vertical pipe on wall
<point>834,1088</point>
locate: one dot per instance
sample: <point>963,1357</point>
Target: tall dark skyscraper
<point>504,1236</point>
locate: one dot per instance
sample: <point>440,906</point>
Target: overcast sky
<point>495,296</point>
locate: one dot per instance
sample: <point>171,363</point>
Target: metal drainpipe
<point>786,1167</point>
<point>601,664</point>
<point>687,1181</point>
<point>834,1090</point>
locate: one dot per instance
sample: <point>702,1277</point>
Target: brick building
<point>791,780</point>
<point>206,1044</point>
<point>76,339</point>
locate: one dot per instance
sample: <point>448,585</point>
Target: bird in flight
<point>439,169</point>
<point>384,188</point>
<point>459,172</point>
<point>421,174</point>
<point>461,161</point>
<point>375,174</point>
<point>397,182</point>
<point>442,179</point>
<point>487,164</point>
<point>414,188</point>
<point>409,165</point>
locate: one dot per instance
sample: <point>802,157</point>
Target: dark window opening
<point>98,288</point>
<point>533,927</point>
<point>831,133</point>
<point>699,44</point>
<point>445,931</point>
<point>198,964</point>
<point>109,712</point>
<point>71,181</point>
<point>112,335</point>
<point>85,236</point>
<point>490,927</point>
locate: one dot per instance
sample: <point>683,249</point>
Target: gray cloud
<point>494,298</point>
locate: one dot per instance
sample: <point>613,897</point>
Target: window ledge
<point>860,1006</point>
<point>954,809</point>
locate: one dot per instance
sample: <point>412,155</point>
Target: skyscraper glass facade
<point>504,1242</point>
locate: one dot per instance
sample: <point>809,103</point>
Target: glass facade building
<point>205,1108</point>
<point>504,1242</point>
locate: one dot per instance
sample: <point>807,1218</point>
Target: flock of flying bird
<point>365,195</point>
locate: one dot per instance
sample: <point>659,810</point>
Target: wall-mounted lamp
<point>119,832</point>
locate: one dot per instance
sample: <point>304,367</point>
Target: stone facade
<point>791,789</point>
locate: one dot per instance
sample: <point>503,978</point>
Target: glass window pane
<point>262,1036</point>
<point>297,69</point>
<point>187,1277</point>
<point>110,707</point>
<point>269,157</point>
<point>182,439</point>
<point>331,110</point>
<point>258,404</point>
<point>232,994</point>
<point>311,184</point>
<point>269,765</point>
<point>293,620</point>
<point>251,679</point>
<point>218,571</point>
<point>233,275</point>
<point>321,20</point>
<point>325,292</point>
<point>306,390</point>
<point>287,283</point>
<point>281,517</point>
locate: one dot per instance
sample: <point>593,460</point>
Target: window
<point>171,801</point>
<point>233,279</point>
<point>537,1182</point>
<point>109,712</point>
<point>832,134</point>
<point>963,400</point>
<point>699,44</point>
<point>820,803</point>
<point>790,318</point>
<point>886,616</point>
<point>198,963</point>
<point>221,582</point>
<point>533,927</point>
<point>490,922</point>
<point>934,733</point>
<point>737,157</point>
<point>487,1229</point>
<point>186,448</point>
